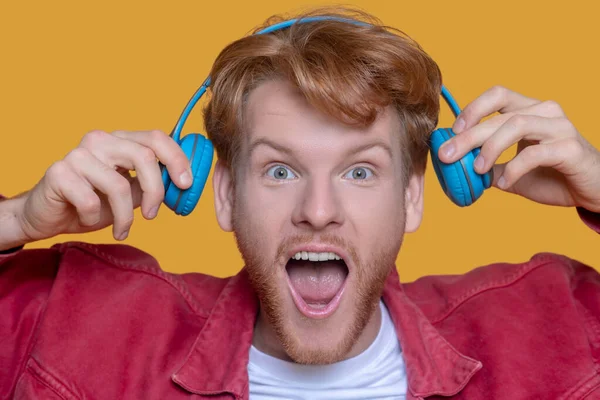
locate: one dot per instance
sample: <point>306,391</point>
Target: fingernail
<point>186,177</point>
<point>459,125</point>
<point>479,163</point>
<point>448,149</point>
<point>152,213</point>
<point>502,183</point>
<point>124,235</point>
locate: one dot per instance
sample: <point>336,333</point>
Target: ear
<point>414,202</point>
<point>223,190</point>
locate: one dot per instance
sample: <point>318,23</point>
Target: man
<point>320,131</point>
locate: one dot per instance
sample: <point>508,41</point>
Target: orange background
<point>70,67</point>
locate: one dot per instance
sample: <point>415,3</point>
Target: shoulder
<point>112,304</point>
<point>109,273</point>
<point>543,275</point>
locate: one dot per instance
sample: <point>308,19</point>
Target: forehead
<point>278,111</point>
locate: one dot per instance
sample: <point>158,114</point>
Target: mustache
<point>308,238</point>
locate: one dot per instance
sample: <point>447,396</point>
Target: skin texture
<point>554,164</point>
<point>320,200</point>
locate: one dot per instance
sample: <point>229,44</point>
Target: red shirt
<point>83,321</point>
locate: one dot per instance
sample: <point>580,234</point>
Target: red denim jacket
<point>83,321</point>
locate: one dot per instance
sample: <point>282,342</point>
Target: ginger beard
<point>305,340</point>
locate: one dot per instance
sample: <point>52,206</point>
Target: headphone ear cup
<point>459,180</point>
<point>199,152</point>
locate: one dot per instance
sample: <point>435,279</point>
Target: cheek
<point>375,213</point>
<point>264,212</point>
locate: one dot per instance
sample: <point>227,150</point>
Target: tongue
<point>317,282</point>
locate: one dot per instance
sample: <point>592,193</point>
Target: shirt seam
<point>511,279</point>
<point>583,388</point>
<point>48,380</point>
<point>90,249</point>
<point>176,376</point>
<point>34,335</point>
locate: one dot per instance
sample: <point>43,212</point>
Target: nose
<point>319,206</point>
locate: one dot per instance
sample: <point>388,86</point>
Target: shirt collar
<point>434,366</point>
<point>218,361</point>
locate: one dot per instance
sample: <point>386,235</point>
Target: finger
<point>68,185</point>
<point>108,181</point>
<point>130,155</point>
<point>520,127</point>
<point>107,217</point>
<point>496,99</point>
<point>459,145</point>
<point>531,157</point>
<point>168,152</point>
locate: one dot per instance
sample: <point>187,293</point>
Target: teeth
<point>312,256</point>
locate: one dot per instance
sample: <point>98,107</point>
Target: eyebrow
<point>288,151</point>
<point>266,142</point>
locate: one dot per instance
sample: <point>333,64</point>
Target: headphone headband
<point>176,132</point>
<point>459,180</point>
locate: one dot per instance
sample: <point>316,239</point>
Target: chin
<point>316,297</point>
<point>324,333</point>
<point>323,341</point>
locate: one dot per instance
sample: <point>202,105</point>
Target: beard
<point>368,281</point>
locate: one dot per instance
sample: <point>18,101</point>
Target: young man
<point>321,134</point>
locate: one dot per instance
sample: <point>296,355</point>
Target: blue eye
<point>280,172</point>
<point>359,173</point>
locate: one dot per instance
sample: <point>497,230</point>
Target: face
<point>319,210</point>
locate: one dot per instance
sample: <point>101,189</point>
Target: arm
<point>12,237</point>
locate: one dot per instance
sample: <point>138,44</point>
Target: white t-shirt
<point>377,373</point>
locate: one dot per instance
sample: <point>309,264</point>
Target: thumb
<point>497,178</point>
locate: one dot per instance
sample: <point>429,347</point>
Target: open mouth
<point>317,281</point>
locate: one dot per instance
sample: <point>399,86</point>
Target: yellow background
<point>71,67</point>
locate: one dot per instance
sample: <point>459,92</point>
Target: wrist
<point>12,234</point>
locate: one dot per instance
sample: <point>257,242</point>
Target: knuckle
<point>90,205</point>
<point>489,149</point>
<point>94,137</point>
<point>466,112</point>
<point>146,155</point>
<point>157,137</point>
<point>569,127</point>
<point>157,133</point>
<point>498,91</point>
<point>517,121</point>
<point>533,152</point>
<point>465,141</point>
<point>572,146</point>
<point>121,187</point>
<point>77,156</point>
<point>183,161</point>
<point>57,171</point>
<point>156,192</point>
<point>128,220</point>
<point>552,108</point>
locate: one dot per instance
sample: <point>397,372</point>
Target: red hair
<point>345,70</point>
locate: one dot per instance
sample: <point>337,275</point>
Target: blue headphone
<point>459,180</point>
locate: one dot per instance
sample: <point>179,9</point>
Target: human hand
<point>554,164</point>
<point>92,188</point>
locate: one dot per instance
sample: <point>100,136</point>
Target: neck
<point>265,339</point>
